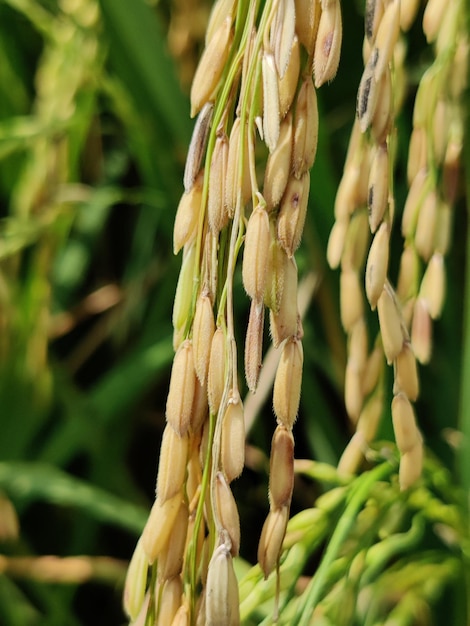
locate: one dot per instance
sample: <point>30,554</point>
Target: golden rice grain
<point>351,298</point>
<point>232,451</point>
<point>288,382</point>
<point>222,602</point>
<point>305,129</point>
<point>306,25</point>
<point>421,331</point>
<point>281,468</point>
<point>292,213</point>
<point>433,286</point>
<point>390,324</point>
<point>170,559</point>
<point>271,115</point>
<point>159,525</point>
<point>272,536</point>
<point>288,83</point>
<point>182,387</point>
<point>377,265</point>
<point>256,254</point>
<point>136,581</point>
<point>411,464</point>
<point>170,601</point>
<point>387,36</point>
<point>187,215</point>
<point>278,166</point>
<point>406,373</point>
<point>227,512</point>
<point>197,146</point>
<point>328,43</point>
<point>216,210</point>
<point>216,373</point>
<point>254,344</point>
<point>378,187</point>
<point>211,66</point>
<point>172,464</point>
<point>283,324</point>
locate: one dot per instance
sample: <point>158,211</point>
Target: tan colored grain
<point>288,383</point>
<point>172,464</point>
<point>211,66</point>
<point>281,468</point>
<point>272,536</point>
<point>256,254</point>
<point>305,128</point>
<point>292,213</point>
<point>182,387</point>
<point>232,451</point>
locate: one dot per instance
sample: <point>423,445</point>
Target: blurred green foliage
<point>93,132</point>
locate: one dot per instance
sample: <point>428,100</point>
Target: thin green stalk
<point>359,494</point>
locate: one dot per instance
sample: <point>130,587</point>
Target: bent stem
<point>359,494</point>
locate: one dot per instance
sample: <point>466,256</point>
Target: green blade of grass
<point>31,482</point>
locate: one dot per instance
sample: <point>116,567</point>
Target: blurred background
<point>94,128</point>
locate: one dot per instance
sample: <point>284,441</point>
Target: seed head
<point>221,10</point>
<point>159,525</point>
<point>203,331</point>
<point>282,34</point>
<point>307,19</point>
<point>351,298</point>
<point>408,274</point>
<point>377,265</point>
<point>291,219</point>
<point>387,36</point>
<point>272,536</point>
<point>283,324</point>
<point>182,387</point>
<point>197,147</point>
<point>254,344</point>
<point>172,464</point>
<point>255,256</point>
<point>390,324</point>
<point>426,225</point>
<point>288,382</point>
<point>216,210</point>
<point>378,187</point>
<point>271,117</point>
<point>222,601</point>
<point>216,374</point>
<point>170,560</point>
<point>228,512</point>
<point>136,582</point>
<point>187,215</point>
<point>233,439</point>
<point>288,82</point>
<point>211,66</point>
<point>278,166</point>
<point>336,243</point>
<point>328,43</point>
<point>281,468</point>
<point>305,129</point>
<point>421,331</point>
<point>406,373</point>
<point>411,464</point>
<point>432,288</point>
<point>237,181</point>
<point>170,600</point>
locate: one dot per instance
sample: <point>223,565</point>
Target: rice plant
<point>235,312</point>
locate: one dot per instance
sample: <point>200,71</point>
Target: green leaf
<point>37,481</point>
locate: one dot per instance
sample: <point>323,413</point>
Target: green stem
<point>359,493</point>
